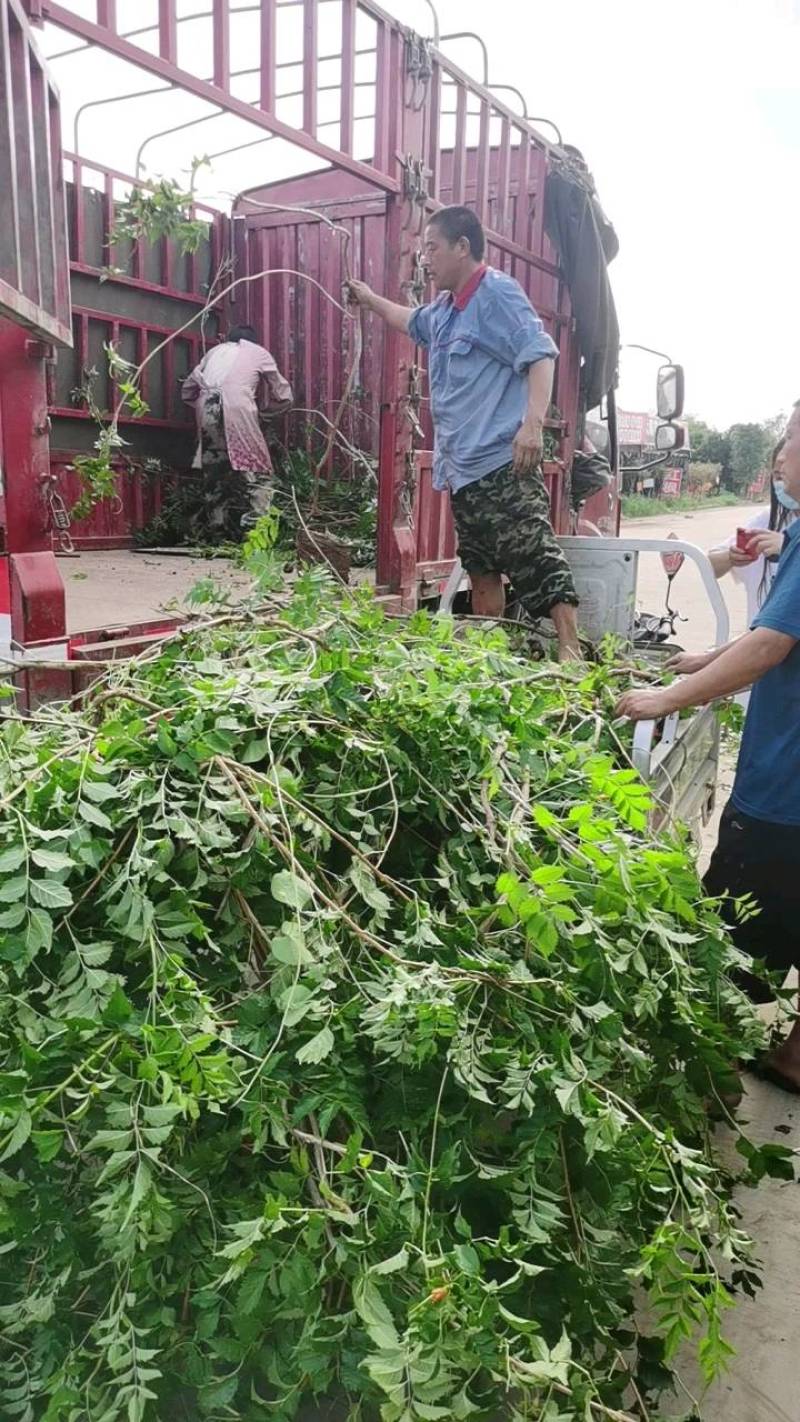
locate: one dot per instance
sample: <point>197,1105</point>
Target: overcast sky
<point>689,116</point>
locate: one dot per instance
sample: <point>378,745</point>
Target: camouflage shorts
<point>503,526</point>
<point>233,500</point>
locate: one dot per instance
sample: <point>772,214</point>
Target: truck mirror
<point>670,392</point>
<point>670,437</point>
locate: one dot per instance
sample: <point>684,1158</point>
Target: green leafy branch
<point>96,472</point>
<point>358,1038</point>
<point>158,211</point>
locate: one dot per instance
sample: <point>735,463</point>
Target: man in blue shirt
<point>490,366</point>
<point>758,852</point>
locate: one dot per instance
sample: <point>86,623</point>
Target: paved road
<point>705,528</point>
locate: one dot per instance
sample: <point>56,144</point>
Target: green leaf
<point>111,1140</point>
<point>290,889</point>
<point>93,816</point>
<point>50,894</point>
<point>462,1407</point>
<point>47,1144</point>
<point>393,1265</point>
<point>219,1394</point>
<point>568,1097</point>
<point>14,889</point>
<point>39,932</point>
<point>543,932</point>
<point>296,1002</point>
<point>506,884</point>
<point>12,858</point>
<point>374,1314</point>
<point>13,917</point>
<point>95,955</point>
<point>52,859</point>
<point>101,791</point>
<point>366,886</point>
<point>255,751</point>
<point>18,1136</point>
<point>250,1291</point>
<point>468,1259</point>
<point>288,947</point>
<point>142,1183</point>
<point>562,1352</point>
<point>118,1009</point>
<point>318,1048</point>
<point>166,741</point>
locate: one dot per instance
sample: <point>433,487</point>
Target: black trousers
<point>762,859</point>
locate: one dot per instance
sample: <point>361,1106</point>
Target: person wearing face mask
<point>758,851</point>
<point>755,569</point>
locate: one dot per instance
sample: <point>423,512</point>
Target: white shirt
<point>219,362</point>
<point>750,576</point>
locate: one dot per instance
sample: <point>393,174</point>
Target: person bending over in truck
<point>233,383</point>
<point>758,851</point>
<point>491,378</point>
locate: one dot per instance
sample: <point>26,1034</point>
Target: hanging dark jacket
<point>586,243</point>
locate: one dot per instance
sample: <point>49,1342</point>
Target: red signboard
<point>671,484</point>
<point>636,430</point>
<point>34,274</point>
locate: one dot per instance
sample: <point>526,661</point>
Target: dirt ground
<point>122,588</point>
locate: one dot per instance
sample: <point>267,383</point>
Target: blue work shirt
<point>479,354</point>
<point>767,784</point>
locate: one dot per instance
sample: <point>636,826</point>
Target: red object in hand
<point>743,536</point>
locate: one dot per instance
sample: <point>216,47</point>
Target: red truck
<point>378,128</point>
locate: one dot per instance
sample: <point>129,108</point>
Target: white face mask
<point>783,498</point>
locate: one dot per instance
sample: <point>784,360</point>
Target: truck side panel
<point>134,295</point>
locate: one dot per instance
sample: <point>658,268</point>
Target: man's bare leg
<point>489,600</point>
<point>786,1057</point>
<point>565,620</point>
<point>488,595</point>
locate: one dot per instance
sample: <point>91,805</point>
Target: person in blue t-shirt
<point>758,851</point>
<point>490,368</point>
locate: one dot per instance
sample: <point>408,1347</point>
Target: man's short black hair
<point>457,222</point>
<point>242,333</point>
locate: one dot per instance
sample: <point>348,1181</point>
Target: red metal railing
<point>105,32</point>
<point>158,279</point>
<point>176,276</point>
<point>409,130</point>
<point>33,287</point>
<point>158,290</point>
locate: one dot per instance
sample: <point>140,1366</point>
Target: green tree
<point>750,450</point>
<point>708,446</point>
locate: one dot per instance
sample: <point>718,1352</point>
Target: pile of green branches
<point>345,509</point>
<point>356,1040</point>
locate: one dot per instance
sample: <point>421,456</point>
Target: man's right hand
<point>685,663</point>
<point>359,294</point>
